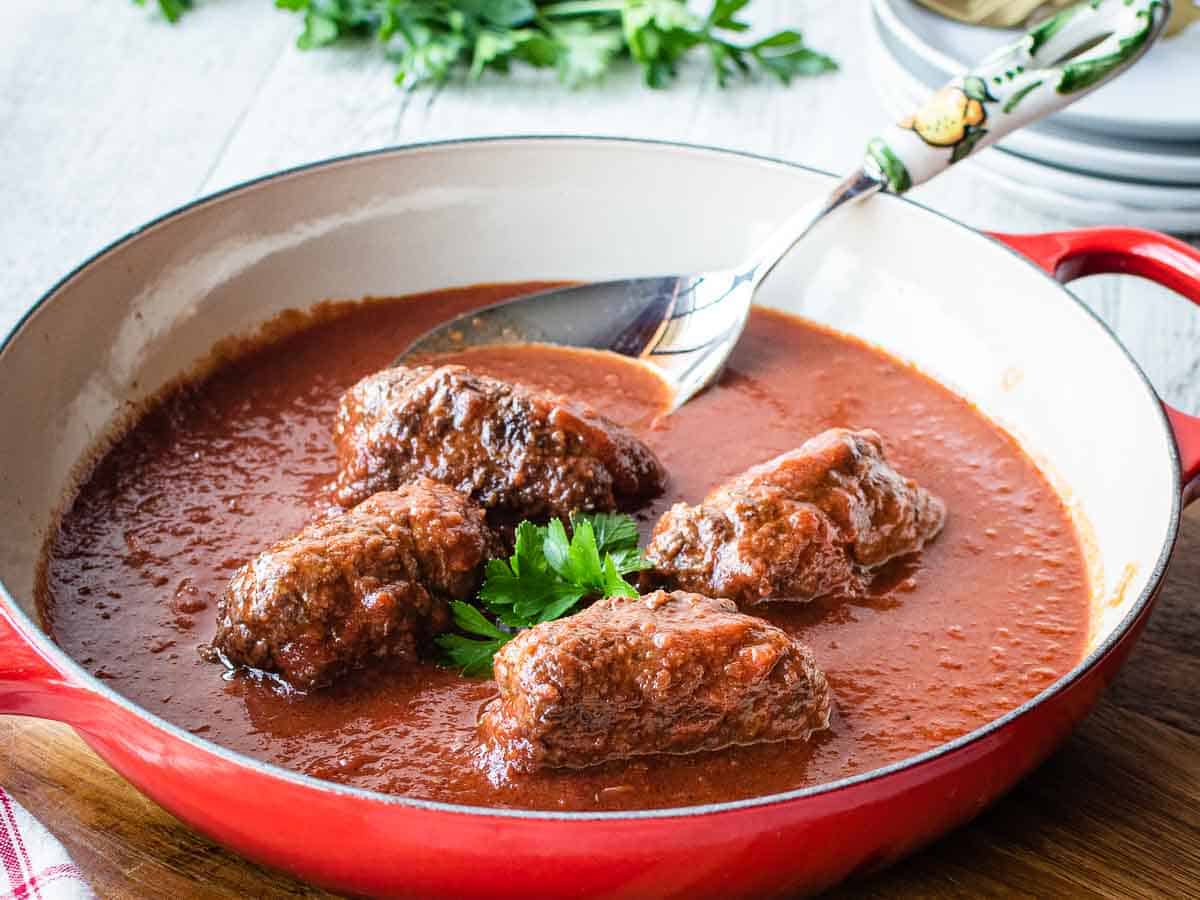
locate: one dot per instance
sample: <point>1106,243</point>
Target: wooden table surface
<point>109,117</point>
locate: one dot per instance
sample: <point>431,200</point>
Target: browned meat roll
<point>664,673</point>
<point>813,522</point>
<point>518,453</point>
<point>373,583</point>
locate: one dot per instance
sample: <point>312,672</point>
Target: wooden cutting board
<point>1115,813</point>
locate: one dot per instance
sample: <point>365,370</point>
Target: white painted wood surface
<point>109,116</point>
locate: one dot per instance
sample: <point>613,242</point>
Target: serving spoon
<point>686,325</point>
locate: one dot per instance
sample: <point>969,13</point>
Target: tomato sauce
<point>987,616</point>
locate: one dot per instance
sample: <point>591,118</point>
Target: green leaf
<point>614,584</point>
<point>528,547</point>
<point>537,50</point>
<point>536,594</point>
<point>629,560</point>
<point>723,12</point>
<point>469,656</point>
<point>583,557</point>
<point>1012,102</point>
<point>471,620</point>
<point>557,548</point>
<point>785,56</point>
<point>172,10</point>
<point>516,599</point>
<point>565,599</point>
<point>976,88</point>
<point>429,58</point>
<point>658,15</point>
<point>1042,32</point>
<point>584,52</point>
<point>501,585</point>
<point>613,531</point>
<point>491,47</point>
<point>318,31</point>
<point>501,13</point>
<point>964,147</point>
<point>658,34</point>
<point>503,597</point>
<point>616,536</point>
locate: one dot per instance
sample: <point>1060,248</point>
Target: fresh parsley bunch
<point>431,39</point>
<point>545,578</point>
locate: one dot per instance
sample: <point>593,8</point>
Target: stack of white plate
<point>1127,155</point>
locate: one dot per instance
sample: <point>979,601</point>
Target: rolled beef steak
<point>664,673</point>
<point>813,522</point>
<point>371,584</point>
<point>517,452</point>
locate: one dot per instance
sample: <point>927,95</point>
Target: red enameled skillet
<point>967,308</point>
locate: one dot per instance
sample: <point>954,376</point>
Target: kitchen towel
<point>33,865</point>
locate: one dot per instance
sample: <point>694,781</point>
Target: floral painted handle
<point>1038,75</point>
<point>1051,66</point>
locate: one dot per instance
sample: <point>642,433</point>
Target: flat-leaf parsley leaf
<point>472,655</point>
<point>546,577</point>
<point>171,9</point>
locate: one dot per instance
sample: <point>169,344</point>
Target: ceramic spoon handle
<point>1051,66</point>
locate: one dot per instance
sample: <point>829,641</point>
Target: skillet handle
<point>1067,255</point>
<point>31,686</point>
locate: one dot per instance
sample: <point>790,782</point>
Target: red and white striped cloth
<point>33,865</point>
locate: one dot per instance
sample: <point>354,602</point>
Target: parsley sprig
<point>171,9</point>
<point>546,577</point>
<point>430,40</point>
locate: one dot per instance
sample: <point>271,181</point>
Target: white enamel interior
<point>954,303</point>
